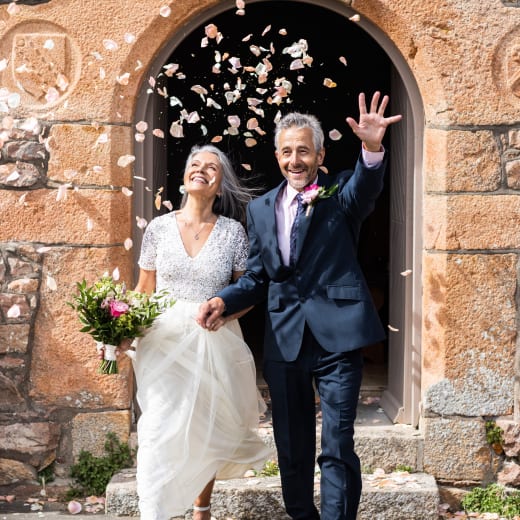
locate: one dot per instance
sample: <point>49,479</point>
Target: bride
<point>196,388</point>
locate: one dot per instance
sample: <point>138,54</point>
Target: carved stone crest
<point>41,66</point>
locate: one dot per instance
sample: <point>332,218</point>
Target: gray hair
<point>298,120</point>
<point>234,195</point>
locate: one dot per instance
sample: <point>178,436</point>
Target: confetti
<point>90,224</point>
<point>393,329</point>
<point>115,274</point>
<point>329,83</point>
<point>125,160</point>
<point>129,38</point>
<point>165,11</point>
<point>110,45</point>
<point>335,135</point>
<point>158,133</point>
<point>51,283</point>
<point>126,191</point>
<point>168,204</point>
<point>74,507</point>
<point>14,311</point>
<point>343,60</point>
<point>141,126</point>
<point>408,272</point>
<point>141,222</point>
<point>355,18</point>
<point>128,243</point>
<point>123,79</point>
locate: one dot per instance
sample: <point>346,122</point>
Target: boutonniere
<point>314,193</point>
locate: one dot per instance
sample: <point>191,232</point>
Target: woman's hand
<point>126,344</point>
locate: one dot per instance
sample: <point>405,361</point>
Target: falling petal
<point>51,283</point>
<point>408,272</point>
<point>234,121</point>
<point>247,38</point>
<point>252,123</point>
<point>151,81</point>
<point>128,243</point>
<point>175,101</point>
<point>102,139</point>
<point>158,133</point>
<point>355,18</point>
<point>13,9</point>
<point>296,65</point>
<point>123,79</point>
<point>141,126</point>
<point>90,224</point>
<point>246,167</point>
<point>157,201</point>
<point>199,89</point>
<point>125,160</point>
<point>139,137</point>
<point>240,12</point>
<point>129,38</point>
<point>324,169</point>
<point>165,11</point>
<point>240,4</point>
<point>168,204</point>
<point>393,329</point>
<point>126,191</point>
<point>141,222</point>
<point>335,135</point>
<point>74,507</point>
<point>115,274</point>
<point>52,95</point>
<point>193,117</point>
<point>266,30</point>
<point>3,64</point>
<point>329,83</point>
<point>14,311</point>
<point>283,32</point>
<point>250,142</point>
<point>62,82</point>
<point>110,45</point>
<point>61,194</point>
<point>139,65</point>
<point>216,139</point>
<point>212,103</point>
<point>102,73</point>
<point>13,176</point>
<point>211,31</point>
<point>48,44</point>
<point>343,60</point>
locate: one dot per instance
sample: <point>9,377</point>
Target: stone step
<point>385,496</point>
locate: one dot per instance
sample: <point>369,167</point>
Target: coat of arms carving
<point>41,65</point>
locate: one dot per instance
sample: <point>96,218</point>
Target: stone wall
<point>69,80</point>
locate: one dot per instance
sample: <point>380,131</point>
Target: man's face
<point>298,159</point>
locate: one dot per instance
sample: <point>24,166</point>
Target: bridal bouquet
<point>110,313</point>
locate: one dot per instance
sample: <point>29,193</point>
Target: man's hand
<point>210,314</point>
<point>372,125</point>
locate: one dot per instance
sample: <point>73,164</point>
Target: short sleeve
<point>241,249</point>
<point>148,257</point>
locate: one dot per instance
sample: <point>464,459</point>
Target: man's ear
<point>321,156</point>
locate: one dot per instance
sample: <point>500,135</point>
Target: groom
<point>303,259</point>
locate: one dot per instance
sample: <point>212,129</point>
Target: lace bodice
<point>193,278</point>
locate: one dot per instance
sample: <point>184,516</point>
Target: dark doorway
<point>342,54</point>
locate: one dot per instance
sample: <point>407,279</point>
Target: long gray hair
<point>298,120</point>
<point>234,195</point>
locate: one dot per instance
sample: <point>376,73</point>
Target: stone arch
<point>402,402</point>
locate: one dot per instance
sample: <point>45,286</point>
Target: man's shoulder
<point>267,199</point>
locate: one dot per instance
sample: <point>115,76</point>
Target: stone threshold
<point>385,497</point>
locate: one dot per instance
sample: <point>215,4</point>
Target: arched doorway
<point>200,82</point>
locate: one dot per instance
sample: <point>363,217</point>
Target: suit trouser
<point>337,377</point>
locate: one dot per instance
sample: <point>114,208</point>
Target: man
<point>319,308</point>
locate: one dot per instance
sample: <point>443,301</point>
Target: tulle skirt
<point>200,409</point>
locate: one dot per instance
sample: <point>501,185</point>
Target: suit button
<point>302,299</point>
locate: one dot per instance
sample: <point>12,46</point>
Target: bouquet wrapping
<point>111,313</point>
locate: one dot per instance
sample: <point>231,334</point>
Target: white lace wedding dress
<point>196,389</point>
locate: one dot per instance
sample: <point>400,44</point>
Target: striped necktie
<point>294,230</point>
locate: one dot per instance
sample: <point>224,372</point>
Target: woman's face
<point>203,175</point>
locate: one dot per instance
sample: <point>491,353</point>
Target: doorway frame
<point>401,402</point>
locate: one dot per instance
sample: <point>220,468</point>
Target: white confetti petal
<point>115,274</point>
<point>90,224</point>
<point>158,133</point>
<point>393,329</point>
<point>128,243</point>
<point>165,11</point>
<point>408,272</point>
<point>125,160</point>
<point>51,283</point>
<point>126,191</point>
<point>14,311</point>
<point>335,135</point>
<point>141,222</point>
<point>129,38</point>
<point>139,137</point>
<point>355,18</point>
<point>48,44</point>
<point>110,45</point>
<point>141,126</point>
<point>168,204</point>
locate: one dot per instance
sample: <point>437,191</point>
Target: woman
<point>196,388</point>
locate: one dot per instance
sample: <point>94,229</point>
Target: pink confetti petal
<point>211,31</point>
<point>139,137</point>
<point>127,192</point>
<point>116,274</point>
<point>141,222</point>
<point>250,142</point>
<point>168,204</point>
<point>158,133</point>
<point>343,60</point>
<point>165,11</point>
<point>128,243</point>
<point>335,135</point>
<point>141,126</point>
<point>74,507</point>
<point>125,160</point>
<point>123,79</point>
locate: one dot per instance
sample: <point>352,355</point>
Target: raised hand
<point>372,125</point>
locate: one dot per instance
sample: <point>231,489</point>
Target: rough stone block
<point>456,449</point>
<point>89,431</point>
<point>78,158</point>
<point>461,161</point>
<point>465,222</point>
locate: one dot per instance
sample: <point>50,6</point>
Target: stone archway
<point>400,219</point>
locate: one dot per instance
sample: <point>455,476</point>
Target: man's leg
<point>338,380</point>
<point>294,426</point>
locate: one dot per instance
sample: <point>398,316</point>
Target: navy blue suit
<point>319,313</point>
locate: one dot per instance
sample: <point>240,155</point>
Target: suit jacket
<point>325,288</point>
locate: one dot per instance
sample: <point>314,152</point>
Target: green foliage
<point>404,467</point>
<point>93,474</point>
<point>46,475</point>
<point>494,434</point>
<point>493,499</point>
<point>111,313</point>
<point>270,469</point>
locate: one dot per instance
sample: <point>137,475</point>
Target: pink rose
<point>118,308</point>
<point>310,193</point>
